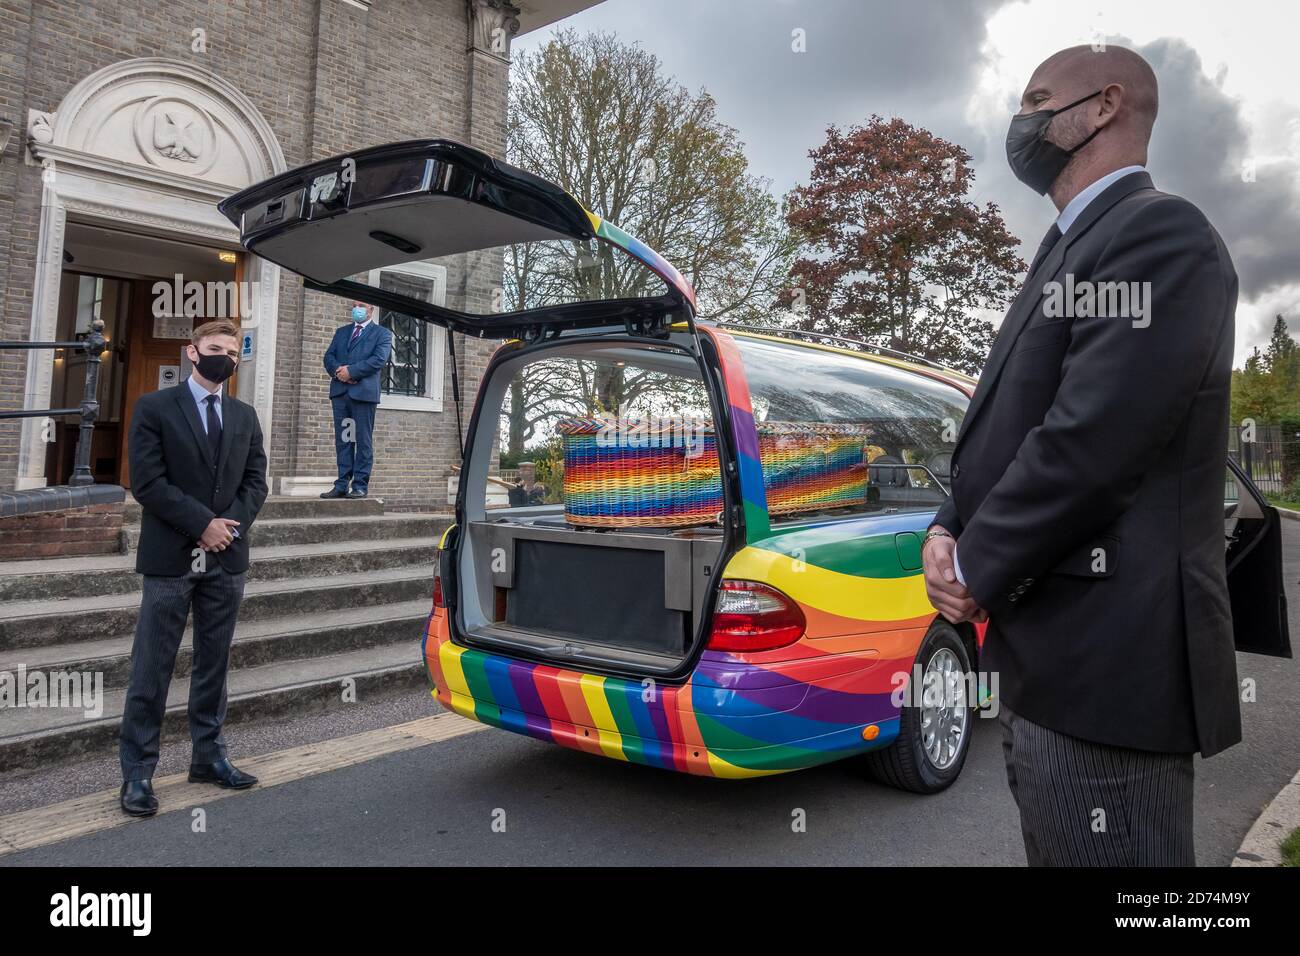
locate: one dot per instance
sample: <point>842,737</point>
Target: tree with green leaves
<point>1267,388</point>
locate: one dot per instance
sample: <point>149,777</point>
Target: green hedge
<point>1290,449</point>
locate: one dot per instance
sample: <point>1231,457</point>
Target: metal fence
<point>93,345</point>
<point>1270,456</point>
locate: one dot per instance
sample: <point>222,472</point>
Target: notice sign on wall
<point>169,375</point>
<point>172,326</point>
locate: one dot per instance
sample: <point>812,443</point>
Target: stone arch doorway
<point>147,146</point>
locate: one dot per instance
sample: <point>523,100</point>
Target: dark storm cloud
<point>1198,149</point>
<point>917,60</point>
<point>920,60</point>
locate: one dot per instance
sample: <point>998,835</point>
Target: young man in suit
<point>1086,517</point>
<point>198,471</point>
<point>355,360</point>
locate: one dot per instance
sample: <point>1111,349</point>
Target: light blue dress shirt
<point>1080,202</point>
<point>200,398</point>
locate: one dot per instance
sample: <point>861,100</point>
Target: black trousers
<point>1089,804</point>
<point>215,596</point>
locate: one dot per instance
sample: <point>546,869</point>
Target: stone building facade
<point>127,121</point>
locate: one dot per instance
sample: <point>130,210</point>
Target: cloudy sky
<point>1229,97</point>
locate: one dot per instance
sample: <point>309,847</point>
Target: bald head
<point>1122,115</point>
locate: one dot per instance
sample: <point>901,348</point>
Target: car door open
<point>1255,581</point>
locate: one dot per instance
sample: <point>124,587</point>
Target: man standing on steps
<point>198,471</point>
<point>355,360</point>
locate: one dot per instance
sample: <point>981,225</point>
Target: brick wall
<point>94,529</point>
<point>328,78</point>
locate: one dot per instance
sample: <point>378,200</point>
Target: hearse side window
<point>845,435</point>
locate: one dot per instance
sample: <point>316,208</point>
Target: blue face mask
<point>359,313</point>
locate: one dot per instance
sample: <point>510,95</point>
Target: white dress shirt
<point>1063,222</point>
<point>200,398</point>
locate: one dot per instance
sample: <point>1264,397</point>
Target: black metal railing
<point>93,346</point>
<point>1268,453</point>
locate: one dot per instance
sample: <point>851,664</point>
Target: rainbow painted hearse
<point>709,558</point>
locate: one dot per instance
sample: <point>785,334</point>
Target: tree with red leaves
<point>892,251</point>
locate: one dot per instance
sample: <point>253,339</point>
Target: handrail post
<point>93,345</point>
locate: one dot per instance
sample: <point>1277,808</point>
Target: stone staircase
<point>337,591</point>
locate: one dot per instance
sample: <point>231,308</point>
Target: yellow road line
<point>100,811</point>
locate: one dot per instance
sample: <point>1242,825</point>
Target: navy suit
<point>356,400</point>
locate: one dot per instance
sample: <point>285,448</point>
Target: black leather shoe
<point>138,799</point>
<point>334,493</point>
<point>223,774</point>
<point>356,494</point>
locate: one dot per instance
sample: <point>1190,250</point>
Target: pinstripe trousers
<point>215,596</point>
<point>1089,804</point>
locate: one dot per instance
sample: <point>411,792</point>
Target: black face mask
<point>215,368</point>
<point>1035,159</point>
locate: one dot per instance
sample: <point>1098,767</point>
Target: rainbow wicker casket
<point>628,473</point>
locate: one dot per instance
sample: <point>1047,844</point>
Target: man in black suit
<point>1086,517</point>
<point>199,473</point>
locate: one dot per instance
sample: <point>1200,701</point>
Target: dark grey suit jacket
<point>181,489</point>
<point>1088,486</point>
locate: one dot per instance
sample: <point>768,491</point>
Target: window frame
<point>435,340</point>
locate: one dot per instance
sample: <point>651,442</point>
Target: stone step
<point>275,532</point>
<point>38,736</point>
<point>284,506</point>
<point>255,643</point>
<point>42,623</point>
<point>58,578</point>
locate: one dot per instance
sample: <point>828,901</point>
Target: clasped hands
<point>342,374</point>
<point>948,595</point>
<point>218,535</point>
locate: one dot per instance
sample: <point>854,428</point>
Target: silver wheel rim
<point>943,722</point>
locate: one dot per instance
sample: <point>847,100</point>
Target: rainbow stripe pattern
<point>627,473</point>
<point>737,715</point>
<point>812,466</point>
<point>607,231</point>
<point>830,695</point>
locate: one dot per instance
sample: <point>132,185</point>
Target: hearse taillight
<point>754,617</point>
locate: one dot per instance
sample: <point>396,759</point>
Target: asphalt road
<point>496,798</point>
